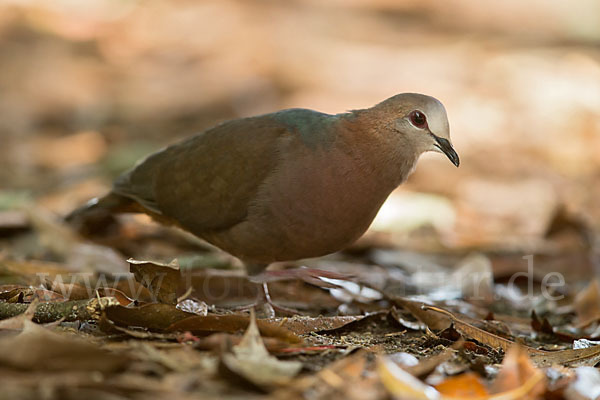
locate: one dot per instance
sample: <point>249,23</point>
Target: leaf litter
<point>457,347</point>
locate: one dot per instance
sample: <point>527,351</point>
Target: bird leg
<point>312,276</point>
<point>266,297</point>
<point>316,277</point>
<point>264,301</point>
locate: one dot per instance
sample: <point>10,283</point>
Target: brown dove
<point>287,185</point>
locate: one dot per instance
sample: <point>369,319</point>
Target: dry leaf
<point>435,321</point>
<point>519,376</point>
<point>428,364</point>
<point>231,323</point>
<point>39,348</point>
<point>541,358</point>
<point>587,304</point>
<point>153,316</point>
<point>464,386</point>
<point>251,361</point>
<point>162,280</point>
<point>401,384</point>
<point>302,325</point>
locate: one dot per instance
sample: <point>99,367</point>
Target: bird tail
<point>111,203</point>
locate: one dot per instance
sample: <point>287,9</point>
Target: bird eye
<point>418,119</point>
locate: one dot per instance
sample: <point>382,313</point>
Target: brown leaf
<point>162,280</point>
<point>433,320</point>
<point>251,361</point>
<point>587,304</point>
<point>302,325</point>
<point>202,325</point>
<point>121,297</point>
<point>571,357</point>
<point>167,318</point>
<point>518,374</point>
<point>474,332</point>
<point>25,294</point>
<point>153,316</point>
<point>219,341</point>
<point>71,291</point>
<point>39,348</point>
<point>348,378</point>
<point>540,326</point>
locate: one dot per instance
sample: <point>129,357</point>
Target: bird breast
<point>317,203</point>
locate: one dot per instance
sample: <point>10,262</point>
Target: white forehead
<point>434,110</point>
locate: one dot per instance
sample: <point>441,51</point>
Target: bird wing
<point>207,182</point>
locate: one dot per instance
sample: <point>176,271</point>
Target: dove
<point>287,185</point>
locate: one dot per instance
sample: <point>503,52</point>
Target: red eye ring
<point>418,119</point>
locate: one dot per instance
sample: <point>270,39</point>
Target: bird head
<point>422,122</point>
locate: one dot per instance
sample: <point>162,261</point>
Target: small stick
<point>77,310</point>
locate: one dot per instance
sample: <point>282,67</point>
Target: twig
<point>78,310</point>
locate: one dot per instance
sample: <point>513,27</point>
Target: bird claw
<point>265,302</point>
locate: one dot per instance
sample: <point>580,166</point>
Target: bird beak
<point>446,148</point>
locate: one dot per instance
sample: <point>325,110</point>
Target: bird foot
<point>265,302</point>
<point>316,277</point>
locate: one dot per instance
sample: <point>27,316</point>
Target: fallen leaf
<point>350,377</point>
<point>463,386</point>
<point>162,280</point>
<point>428,364</point>
<point>433,320</point>
<point>302,325</point>
<point>153,316</point>
<point>25,294</point>
<point>587,304</point>
<point>71,291</point>
<point>39,348</point>
<point>251,361</point>
<point>121,297</point>
<point>519,375</point>
<point>231,323</point>
<point>401,384</point>
<point>541,358</point>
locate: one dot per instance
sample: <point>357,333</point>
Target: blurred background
<point>86,88</point>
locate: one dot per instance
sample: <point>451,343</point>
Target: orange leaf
<point>465,386</point>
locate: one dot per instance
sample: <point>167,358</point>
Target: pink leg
<point>264,300</point>
<point>308,275</point>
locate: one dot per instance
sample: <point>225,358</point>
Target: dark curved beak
<point>446,148</point>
